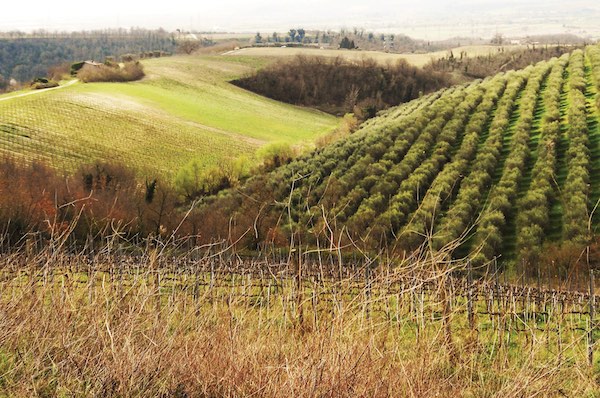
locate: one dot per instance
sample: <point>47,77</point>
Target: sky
<point>422,17</point>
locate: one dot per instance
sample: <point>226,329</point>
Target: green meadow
<point>184,109</point>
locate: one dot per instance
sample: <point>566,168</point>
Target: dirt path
<point>32,92</point>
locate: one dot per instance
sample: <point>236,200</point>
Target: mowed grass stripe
<point>593,117</point>
<point>556,209</point>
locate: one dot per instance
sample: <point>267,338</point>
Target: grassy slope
<point>184,109</point>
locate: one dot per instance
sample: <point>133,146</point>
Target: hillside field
<point>504,166</point>
<point>184,109</point>
<point>416,59</point>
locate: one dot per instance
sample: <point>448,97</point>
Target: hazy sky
<point>268,15</point>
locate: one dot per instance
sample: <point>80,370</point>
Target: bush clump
<point>111,72</point>
<point>341,86</point>
<point>42,82</point>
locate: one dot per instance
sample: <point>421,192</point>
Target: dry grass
<point>68,328</point>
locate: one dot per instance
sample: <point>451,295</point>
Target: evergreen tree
<point>346,43</point>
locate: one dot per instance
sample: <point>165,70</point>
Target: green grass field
<point>184,109</point>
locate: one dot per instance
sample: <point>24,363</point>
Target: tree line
<point>24,57</point>
<point>353,38</point>
<point>503,60</point>
<point>338,85</point>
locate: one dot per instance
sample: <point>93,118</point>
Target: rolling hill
<point>503,166</point>
<point>184,109</point>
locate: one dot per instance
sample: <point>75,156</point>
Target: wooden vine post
<point>445,292</point>
<point>470,310</point>
<point>298,259</point>
<point>591,327</point>
<point>368,291</point>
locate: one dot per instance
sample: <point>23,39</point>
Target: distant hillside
<point>184,110</point>
<point>504,166</point>
<point>23,57</point>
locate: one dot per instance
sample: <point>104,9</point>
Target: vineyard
<point>184,110</point>
<point>208,322</point>
<point>504,165</point>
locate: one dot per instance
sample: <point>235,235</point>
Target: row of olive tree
<point>593,54</point>
<point>577,186</point>
<point>534,208</point>
<point>381,181</point>
<point>330,175</point>
<point>313,178</point>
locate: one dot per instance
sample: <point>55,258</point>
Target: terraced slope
<point>503,166</point>
<point>184,109</point>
